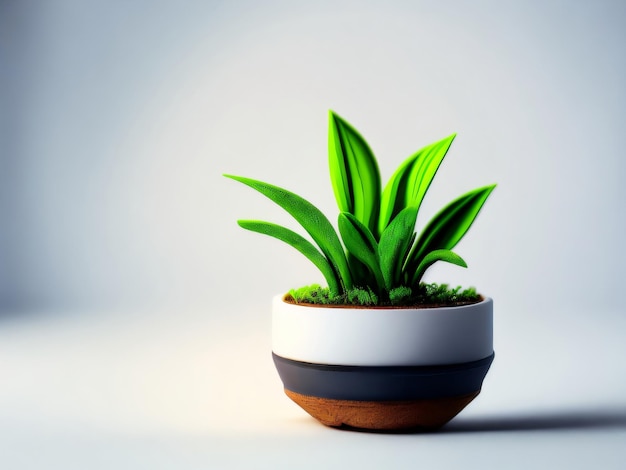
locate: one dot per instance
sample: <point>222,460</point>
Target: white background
<point>134,330</point>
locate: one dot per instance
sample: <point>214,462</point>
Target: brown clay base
<point>428,414</point>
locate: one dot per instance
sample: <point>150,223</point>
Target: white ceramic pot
<point>382,336</point>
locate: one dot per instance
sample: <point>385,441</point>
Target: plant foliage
<point>377,258</point>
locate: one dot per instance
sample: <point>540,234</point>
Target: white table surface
<point>186,390</point>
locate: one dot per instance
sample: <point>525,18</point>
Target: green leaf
<point>393,245</point>
<point>361,274</point>
<point>434,256</point>
<point>312,220</point>
<point>409,183</point>
<point>299,243</point>
<point>353,172</point>
<point>449,226</point>
<point>360,242</point>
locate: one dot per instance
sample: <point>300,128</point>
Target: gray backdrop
<point>118,119</point>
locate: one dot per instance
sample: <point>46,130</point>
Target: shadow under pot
<point>382,368</point>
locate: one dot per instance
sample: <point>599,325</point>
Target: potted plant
<point>378,348</point>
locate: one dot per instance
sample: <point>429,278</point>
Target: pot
<point>382,368</point>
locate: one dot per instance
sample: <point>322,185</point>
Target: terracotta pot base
<point>423,414</point>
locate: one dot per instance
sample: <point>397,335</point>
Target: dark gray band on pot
<point>381,383</point>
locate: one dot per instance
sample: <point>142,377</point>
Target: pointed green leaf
<point>360,242</point>
<point>299,243</point>
<point>353,172</point>
<point>393,245</point>
<point>406,278</point>
<point>431,258</point>
<point>311,219</point>
<point>449,226</point>
<point>409,183</point>
<point>361,274</point>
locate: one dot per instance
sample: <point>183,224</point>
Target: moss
<point>443,294</point>
<point>425,295</point>
<point>400,295</point>
<point>362,297</point>
<point>313,294</point>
